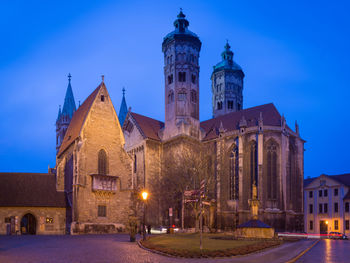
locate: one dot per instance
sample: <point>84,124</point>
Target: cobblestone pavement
<point>328,251</point>
<point>114,248</point>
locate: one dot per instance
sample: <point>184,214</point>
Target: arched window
<point>102,162</point>
<point>234,181</point>
<point>271,170</point>
<point>181,96</point>
<point>253,167</point>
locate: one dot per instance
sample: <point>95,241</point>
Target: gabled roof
<point>30,189</point>
<point>340,178</point>
<point>254,224</point>
<point>78,120</point>
<point>230,121</point>
<point>149,127</point>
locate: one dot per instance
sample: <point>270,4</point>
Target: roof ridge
<point>84,109</point>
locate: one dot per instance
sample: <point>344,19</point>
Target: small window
<point>102,97</point>
<point>347,207</point>
<point>311,225</point>
<point>320,193</point>
<point>102,211</point>
<point>193,79</point>
<point>49,220</point>
<point>347,224</point>
<point>7,219</point>
<point>182,76</point>
<point>230,104</point>
<point>335,207</point>
<point>336,192</point>
<point>310,194</point>
<point>336,226</point>
<point>129,126</point>
<point>181,96</point>
<point>239,107</point>
<point>311,209</point>
<point>325,192</point>
<point>135,163</point>
<point>171,97</point>
<point>219,106</point>
<point>320,208</point>
<point>170,79</point>
<point>325,208</point>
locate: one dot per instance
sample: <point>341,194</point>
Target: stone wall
<point>49,220</point>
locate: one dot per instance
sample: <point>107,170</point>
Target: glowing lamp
<point>144,195</point>
<point>326,222</point>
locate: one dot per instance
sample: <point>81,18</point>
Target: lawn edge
<point>232,256</point>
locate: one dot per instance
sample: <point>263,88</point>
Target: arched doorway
<point>28,225</point>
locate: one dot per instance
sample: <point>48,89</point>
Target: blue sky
<point>294,54</point>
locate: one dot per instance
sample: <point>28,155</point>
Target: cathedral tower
<point>123,111</point>
<point>181,50</point>
<point>227,85</point>
<point>64,117</point>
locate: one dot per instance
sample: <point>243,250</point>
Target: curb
<point>155,251</point>
<point>303,252</point>
<point>172,256</point>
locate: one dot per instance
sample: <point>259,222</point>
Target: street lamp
<point>144,195</point>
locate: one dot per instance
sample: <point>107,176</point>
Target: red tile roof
<point>78,120</point>
<point>30,189</point>
<point>230,121</point>
<point>149,127</point>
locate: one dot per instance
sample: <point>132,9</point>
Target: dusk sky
<point>294,54</point>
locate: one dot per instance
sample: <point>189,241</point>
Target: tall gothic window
<point>102,162</point>
<point>253,169</point>
<point>271,170</point>
<point>234,181</point>
<point>182,76</point>
<point>291,172</point>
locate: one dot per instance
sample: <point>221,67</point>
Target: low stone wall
<point>255,232</point>
<point>95,228</point>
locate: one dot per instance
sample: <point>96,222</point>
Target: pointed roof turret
<point>69,104</point>
<point>227,60</point>
<point>123,110</point>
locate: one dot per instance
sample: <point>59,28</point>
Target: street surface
<point>329,251</point>
<point>117,248</point>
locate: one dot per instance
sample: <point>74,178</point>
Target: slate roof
<point>340,178</point>
<point>308,181</point>
<point>255,224</point>
<point>69,104</point>
<point>30,189</point>
<point>230,121</point>
<point>149,127</point>
<point>77,121</point>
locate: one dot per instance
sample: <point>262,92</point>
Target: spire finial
<point>69,77</point>
<point>123,91</point>
<point>103,78</point>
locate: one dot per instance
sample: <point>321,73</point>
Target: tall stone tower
<point>65,115</point>
<point>227,85</point>
<point>181,50</point>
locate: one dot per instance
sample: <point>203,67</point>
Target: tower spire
<point>123,111</point>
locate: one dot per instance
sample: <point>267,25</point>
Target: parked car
<point>337,235</point>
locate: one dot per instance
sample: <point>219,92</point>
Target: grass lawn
<point>187,245</point>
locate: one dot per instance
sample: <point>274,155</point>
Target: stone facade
<point>327,201</point>
<point>94,170</point>
<point>48,220</point>
<point>249,146</point>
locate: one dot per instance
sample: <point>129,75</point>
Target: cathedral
<point>103,159</point>
<point>249,145</point>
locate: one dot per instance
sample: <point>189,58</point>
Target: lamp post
<point>144,195</point>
